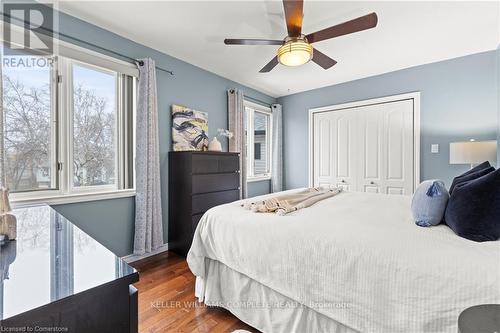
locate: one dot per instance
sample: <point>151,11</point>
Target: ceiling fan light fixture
<point>295,53</point>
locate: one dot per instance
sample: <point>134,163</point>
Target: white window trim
<point>65,192</point>
<point>254,107</point>
<point>66,156</point>
<point>58,198</point>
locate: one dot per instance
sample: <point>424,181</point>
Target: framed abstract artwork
<point>189,129</point>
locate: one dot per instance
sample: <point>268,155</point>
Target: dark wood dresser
<point>56,278</point>
<point>198,181</point>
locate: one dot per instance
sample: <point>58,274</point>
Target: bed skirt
<point>258,305</point>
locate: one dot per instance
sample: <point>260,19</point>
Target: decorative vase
<point>4,201</point>
<point>8,226</point>
<point>214,145</point>
<point>8,222</point>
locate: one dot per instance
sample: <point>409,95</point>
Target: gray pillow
<point>429,203</point>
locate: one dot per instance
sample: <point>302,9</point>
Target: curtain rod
<point>256,100</point>
<point>52,32</point>
<point>252,98</point>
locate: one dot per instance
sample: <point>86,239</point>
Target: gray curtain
<point>236,112</point>
<point>148,215</point>
<point>277,151</point>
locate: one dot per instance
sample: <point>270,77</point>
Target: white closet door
<point>366,148</point>
<point>322,151</point>
<point>385,151</point>
<point>371,149</point>
<point>334,149</point>
<point>398,148</point>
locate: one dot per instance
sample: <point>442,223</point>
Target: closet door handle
<point>343,181</point>
<point>372,183</point>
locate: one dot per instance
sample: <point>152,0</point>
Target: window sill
<point>60,199</point>
<point>258,179</point>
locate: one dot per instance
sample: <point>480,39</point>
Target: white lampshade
<point>473,152</point>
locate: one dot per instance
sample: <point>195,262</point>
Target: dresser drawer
<point>209,163</point>
<point>203,202</point>
<point>215,182</point>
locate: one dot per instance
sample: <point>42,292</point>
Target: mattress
<point>356,258</point>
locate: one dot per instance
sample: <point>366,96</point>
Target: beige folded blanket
<point>286,203</point>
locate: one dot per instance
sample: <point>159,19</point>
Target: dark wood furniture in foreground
<point>54,277</point>
<point>484,318</point>
<point>198,181</point>
<point>167,302</point>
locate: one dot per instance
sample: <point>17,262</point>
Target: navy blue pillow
<point>473,173</point>
<point>473,211</point>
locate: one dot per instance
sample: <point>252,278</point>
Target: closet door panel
<point>398,154</point>
<point>369,152</point>
<point>322,153</point>
<point>344,148</point>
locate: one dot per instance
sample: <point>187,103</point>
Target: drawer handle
<point>372,183</point>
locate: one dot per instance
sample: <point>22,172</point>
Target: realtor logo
<point>28,26</point>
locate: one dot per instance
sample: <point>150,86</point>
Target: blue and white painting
<point>189,129</point>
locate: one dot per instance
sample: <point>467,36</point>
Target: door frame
<point>415,96</point>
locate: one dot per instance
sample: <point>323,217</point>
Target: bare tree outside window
<point>29,160</point>
<point>27,128</point>
<point>94,126</point>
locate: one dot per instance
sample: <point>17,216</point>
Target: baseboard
<point>135,257</point>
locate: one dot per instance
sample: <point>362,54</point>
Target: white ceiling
<point>408,34</point>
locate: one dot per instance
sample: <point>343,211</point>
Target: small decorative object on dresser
<point>215,144</point>
<point>189,129</point>
<point>198,181</point>
<point>8,222</point>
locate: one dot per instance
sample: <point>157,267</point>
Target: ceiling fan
<point>296,49</point>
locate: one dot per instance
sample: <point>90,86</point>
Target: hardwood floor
<point>167,302</point>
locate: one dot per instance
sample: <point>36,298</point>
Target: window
<point>94,127</point>
<point>67,127</point>
<point>29,154</point>
<point>258,141</point>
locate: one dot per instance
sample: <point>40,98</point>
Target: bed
<point>353,263</point>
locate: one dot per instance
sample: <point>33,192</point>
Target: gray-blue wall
<point>112,221</point>
<point>259,188</point>
<point>458,102</point>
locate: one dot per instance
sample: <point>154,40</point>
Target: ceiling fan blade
<point>359,24</point>
<point>229,41</point>
<point>322,59</point>
<point>294,11</point>
<point>270,65</point>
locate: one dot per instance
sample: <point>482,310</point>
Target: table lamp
<point>473,152</point>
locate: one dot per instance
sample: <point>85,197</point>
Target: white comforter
<point>357,258</point>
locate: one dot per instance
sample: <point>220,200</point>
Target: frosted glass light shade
<point>295,53</point>
<point>472,152</point>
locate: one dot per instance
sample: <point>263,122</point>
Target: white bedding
<point>357,258</point>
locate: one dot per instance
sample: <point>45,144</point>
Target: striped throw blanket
<point>283,204</point>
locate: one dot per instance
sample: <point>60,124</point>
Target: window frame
<point>62,125</point>
<point>68,157</point>
<point>250,110</point>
